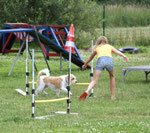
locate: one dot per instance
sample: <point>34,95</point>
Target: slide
<point>1,43</point>
<point>50,44</point>
<point>10,39</point>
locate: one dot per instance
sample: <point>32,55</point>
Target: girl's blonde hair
<point>101,40</point>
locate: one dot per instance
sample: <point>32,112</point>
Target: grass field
<point>128,113</point>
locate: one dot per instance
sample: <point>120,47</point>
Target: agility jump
<point>51,100</point>
<point>33,91</point>
<point>68,87</point>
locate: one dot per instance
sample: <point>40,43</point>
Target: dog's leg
<point>44,91</point>
<point>39,89</point>
<point>57,93</point>
<point>65,90</point>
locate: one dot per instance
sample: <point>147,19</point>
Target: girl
<point>104,52</point>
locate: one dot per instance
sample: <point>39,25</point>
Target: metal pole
<point>103,20</point>
<point>31,58</point>
<point>33,89</point>
<point>60,61</point>
<point>91,73</point>
<point>17,56</point>
<point>68,87</point>
<point>27,72</point>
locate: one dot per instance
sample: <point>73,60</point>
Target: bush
<point>82,13</point>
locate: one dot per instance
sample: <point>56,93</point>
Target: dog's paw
<point>45,93</point>
<point>36,93</point>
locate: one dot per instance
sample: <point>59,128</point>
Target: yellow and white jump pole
<point>27,72</point>
<point>33,89</point>
<point>91,73</point>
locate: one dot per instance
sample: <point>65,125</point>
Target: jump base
<point>63,112</point>
<point>43,117</point>
<point>21,92</point>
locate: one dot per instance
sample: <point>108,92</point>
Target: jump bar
<point>71,84</point>
<point>52,100</point>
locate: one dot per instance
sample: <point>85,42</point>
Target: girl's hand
<point>83,67</point>
<point>126,59</point>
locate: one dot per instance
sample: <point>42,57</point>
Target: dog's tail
<point>44,71</point>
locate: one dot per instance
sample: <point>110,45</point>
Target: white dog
<point>55,83</point>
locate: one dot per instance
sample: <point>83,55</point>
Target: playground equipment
<point>76,59</point>
<point>7,39</point>
<point>48,37</point>
<point>21,30</point>
<point>56,33</point>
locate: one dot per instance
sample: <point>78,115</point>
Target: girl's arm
<point>88,60</point>
<point>121,54</point>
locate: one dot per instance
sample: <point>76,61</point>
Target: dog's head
<point>73,79</point>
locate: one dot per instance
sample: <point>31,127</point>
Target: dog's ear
<point>73,77</point>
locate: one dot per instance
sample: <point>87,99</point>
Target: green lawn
<point>128,113</point>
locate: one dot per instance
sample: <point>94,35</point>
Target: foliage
<point>124,2</point>
<point>86,15</point>
<point>13,11</point>
<point>127,16</point>
<point>51,12</point>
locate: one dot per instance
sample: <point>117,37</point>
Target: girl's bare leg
<point>94,81</point>
<point>91,85</point>
<point>112,84</point>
